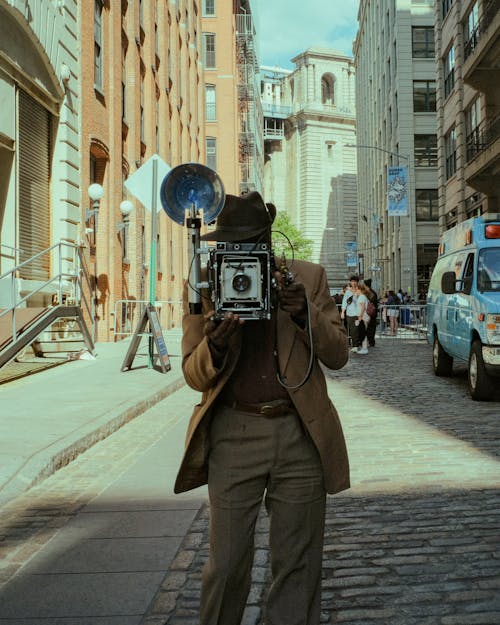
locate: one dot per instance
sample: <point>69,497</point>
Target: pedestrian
<point>393,305</point>
<point>362,318</point>
<point>372,324</point>
<point>383,312</point>
<point>349,312</point>
<point>265,430</point>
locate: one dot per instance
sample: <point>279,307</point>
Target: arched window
<point>328,89</point>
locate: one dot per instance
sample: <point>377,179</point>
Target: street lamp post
<point>411,287</point>
<point>126,207</point>
<point>95,192</point>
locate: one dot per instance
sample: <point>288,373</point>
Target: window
<point>426,204</point>
<point>488,274</point>
<point>157,124</point>
<point>449,72</point>
<point>98,78</point>
<point>450,153</point>
<point>124,89</point>
<point>446,6</point>
<point>141,14</point>
<point>327,89</point>
<point>427,254</point>
<point>472,123</point>
<point>422,42</point>
<point>471,34</point>
<point>142,119</point>
<point>209,50</point>
<point>425,150</point>
<point>424,96</point>
<point>211,146</point>
<point>210,103</point>
<point>208,8</point>
<point>468,274</point>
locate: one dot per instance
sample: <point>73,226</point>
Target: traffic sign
<point>140,183</point>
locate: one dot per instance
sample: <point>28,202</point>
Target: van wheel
<point>480,383</point>
<point>441,361</point>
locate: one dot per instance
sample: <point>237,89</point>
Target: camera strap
<point>311,353</point>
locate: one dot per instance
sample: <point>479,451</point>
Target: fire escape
<point>250,111</point>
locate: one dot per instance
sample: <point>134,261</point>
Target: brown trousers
<point>272,458</point>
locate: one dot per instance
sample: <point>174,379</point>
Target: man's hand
<point>220,332</point>
<point>292,299</point>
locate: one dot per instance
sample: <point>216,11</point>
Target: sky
<point>286,28</point>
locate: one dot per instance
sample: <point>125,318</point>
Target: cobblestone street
<point>413,542</point>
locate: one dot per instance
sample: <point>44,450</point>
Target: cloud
<point>286,28</point>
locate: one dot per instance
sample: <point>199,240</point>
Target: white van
<point>463,303</point>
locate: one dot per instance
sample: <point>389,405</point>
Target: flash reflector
<point>192,185</point>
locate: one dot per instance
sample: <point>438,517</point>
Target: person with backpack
<point>372,311</point>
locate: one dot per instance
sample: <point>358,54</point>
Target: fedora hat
<point>242,217</point>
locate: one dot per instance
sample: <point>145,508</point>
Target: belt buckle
<point>267,410</point>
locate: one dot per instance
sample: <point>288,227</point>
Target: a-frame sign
<point>149,317</point>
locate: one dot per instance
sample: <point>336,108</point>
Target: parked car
<point>463,303</point>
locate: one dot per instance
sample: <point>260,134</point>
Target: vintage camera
<point>239,276</point>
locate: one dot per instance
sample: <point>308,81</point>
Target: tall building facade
<point>309,117</point>
<point>467,51</point>
<point>142,94</point>
<point>396,126</point>
<point>39,137</point>
<point>233,113</point>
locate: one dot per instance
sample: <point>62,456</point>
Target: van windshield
<point>488,269</point>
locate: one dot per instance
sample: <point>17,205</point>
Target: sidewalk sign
<point>149,316</point>
<point>143,184</point>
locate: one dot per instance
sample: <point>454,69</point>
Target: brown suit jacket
<point>311,400</point>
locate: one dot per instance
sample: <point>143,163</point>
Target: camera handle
<point>193,224</point>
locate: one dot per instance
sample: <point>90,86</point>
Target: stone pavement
<point>104,542</point>
<point>49,418</point>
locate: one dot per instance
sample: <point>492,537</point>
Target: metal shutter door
<point>33,176</point>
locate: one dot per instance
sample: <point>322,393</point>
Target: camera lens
<point>241,282</point>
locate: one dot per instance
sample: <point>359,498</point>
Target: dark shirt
<point>254,379</point>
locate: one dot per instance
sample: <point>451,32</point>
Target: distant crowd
<point>359,307</point>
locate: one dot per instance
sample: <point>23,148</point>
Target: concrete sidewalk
<point>48,419</point>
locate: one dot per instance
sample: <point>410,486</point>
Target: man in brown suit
<point>265,430</point>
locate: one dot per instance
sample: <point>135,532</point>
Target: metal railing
<point>490,9</point>
<point>410,321</point>
<point>482,137</point>
<point>64,286</point>
<point>128,312</point>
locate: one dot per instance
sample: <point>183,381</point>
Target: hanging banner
<point>397,191</point>
<point>351,252</point>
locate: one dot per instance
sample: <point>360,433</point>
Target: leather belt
<point>274,408</point>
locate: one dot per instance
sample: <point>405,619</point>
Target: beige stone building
<point>39,130</point>
<point>309,117</point>
<point>467,50</point>
<point>396,126</point>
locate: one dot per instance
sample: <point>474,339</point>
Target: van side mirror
<point>448,282</point>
